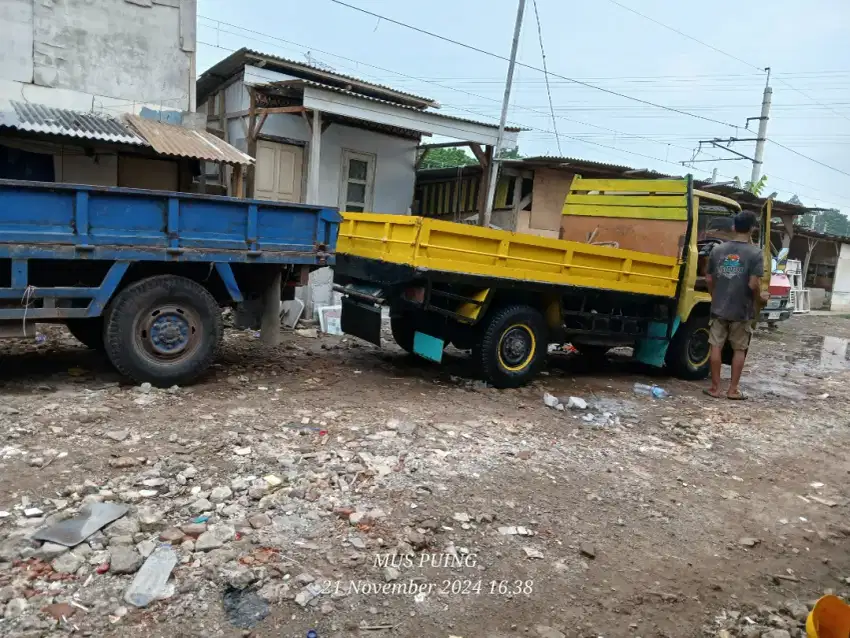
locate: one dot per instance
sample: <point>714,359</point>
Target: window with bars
<point>358,181</point>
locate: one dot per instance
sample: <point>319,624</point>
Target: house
<point>102,92</point>
<point>322,137</point>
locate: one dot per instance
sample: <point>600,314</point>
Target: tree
<point>453,156</point>
<point>447,158</point>
<point>510,153</point>
<point>830,221</point>
<point>756,189</point>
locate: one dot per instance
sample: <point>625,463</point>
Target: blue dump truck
<point>142,275</point>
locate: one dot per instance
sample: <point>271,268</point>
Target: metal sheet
<point>169,139</point>
<point>37,118</point>
<point>74,531</point>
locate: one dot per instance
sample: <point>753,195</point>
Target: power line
<point>529,66</point>
<point>685,35</point>
<point>450,88</point>
<point>811,159</point>
<point>809,97</point>
<point>539,130</point>
<point>546,75</point>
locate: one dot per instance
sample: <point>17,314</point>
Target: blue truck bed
<point>68,221</point>
<point>142,275</point>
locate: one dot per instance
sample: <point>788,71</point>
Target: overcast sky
<point>808,48</point>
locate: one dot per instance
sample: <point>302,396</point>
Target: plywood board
<point>659,237</point>
<point>549,192</point>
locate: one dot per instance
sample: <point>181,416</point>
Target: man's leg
<point>739,338</point>
<point>717,338</point>
<point>738,360</point>
<point>716,363</point>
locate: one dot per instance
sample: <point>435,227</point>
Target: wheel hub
<point>516,346</point>
<point>168,332</point>
<point>698,347</point>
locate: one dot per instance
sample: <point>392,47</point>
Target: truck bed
<point>430,244</point>
<point>70,221</point>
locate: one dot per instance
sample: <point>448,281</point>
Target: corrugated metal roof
<point>326,87</point>
<point>209,79</point>
<point>37,118</point>
<point>169,139</point>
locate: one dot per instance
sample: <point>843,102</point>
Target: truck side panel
<point>449,247</point>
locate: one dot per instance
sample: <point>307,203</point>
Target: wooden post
<point>270,323</point>
<point>315,158</point>
<point>239,182</point>
<point>252,141</point>
<point>515,206</point>
<point>483,187</point>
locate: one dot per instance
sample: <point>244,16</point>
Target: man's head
<point>745,222</point>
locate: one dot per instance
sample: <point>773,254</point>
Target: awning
<point>170,139</point>
<point>37,118</point>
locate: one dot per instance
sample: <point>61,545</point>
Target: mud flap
<point>361,320</point>
<point>652,349</point>
<point>428,347</point>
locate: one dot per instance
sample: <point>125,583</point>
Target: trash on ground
<point>244,608</point>
<point>74,531</point>
<point>152,578</point>
<point>552,401</point>
<point>531,552</point>
<point>651,390</point>
<point>513,530</point>
<point>577,403</point>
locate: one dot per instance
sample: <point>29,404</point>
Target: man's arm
<point>756,273</point>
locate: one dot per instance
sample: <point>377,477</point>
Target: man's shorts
<point>738,333</point>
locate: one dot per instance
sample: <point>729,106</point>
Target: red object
<point>779,286</point>
<point>323,432</point>
<point>102,568</point>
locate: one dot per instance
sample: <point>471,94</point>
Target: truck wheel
<point>689,352</point>
<point>512,347</point>
<point>89,332</point>
<point>403,326</point>
<point>165,330</point>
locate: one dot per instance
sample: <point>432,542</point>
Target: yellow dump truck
<point>627,270</point>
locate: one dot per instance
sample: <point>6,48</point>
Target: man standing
<point>734,276</point>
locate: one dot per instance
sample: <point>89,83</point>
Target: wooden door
<point>278,172</point>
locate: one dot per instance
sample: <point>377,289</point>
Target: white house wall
<point>104,55</point>
<point>841,283</point>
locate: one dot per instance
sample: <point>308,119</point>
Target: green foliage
<point>510,153</point>
<point>447,158</point>
<point>756,189</point>
<point>831,221</point>
<point>452,156</point>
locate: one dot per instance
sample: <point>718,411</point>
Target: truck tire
<point>689,353</point>
<point>89,332</point>
<point>403,326</point>
<point>164,330</point>
<point>512,346</point>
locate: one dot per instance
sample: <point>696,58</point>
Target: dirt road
<point>355,491</point>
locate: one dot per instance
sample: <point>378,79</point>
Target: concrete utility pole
<point>762,134</point>
<point>497,151</point>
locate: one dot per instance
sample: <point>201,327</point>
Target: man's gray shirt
<point>731,264</point>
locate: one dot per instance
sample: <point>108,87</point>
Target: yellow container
<point>830,618</point>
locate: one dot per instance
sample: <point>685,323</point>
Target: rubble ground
<point>328,485</point>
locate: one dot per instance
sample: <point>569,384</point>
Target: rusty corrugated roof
<point>38,118</point>
<point>170,139</point>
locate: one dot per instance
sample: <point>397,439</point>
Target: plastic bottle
<point>651,390</point>
<point>151,579</point>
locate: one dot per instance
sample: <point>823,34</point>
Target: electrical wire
<point>546,75</point>
<point>811,159</point>
<point>529,66</point>
<point>431,82</point>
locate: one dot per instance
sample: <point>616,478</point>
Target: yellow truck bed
<point>430,244</point>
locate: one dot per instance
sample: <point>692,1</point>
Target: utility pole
<point>484,219</point>
<point>762,134</point>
